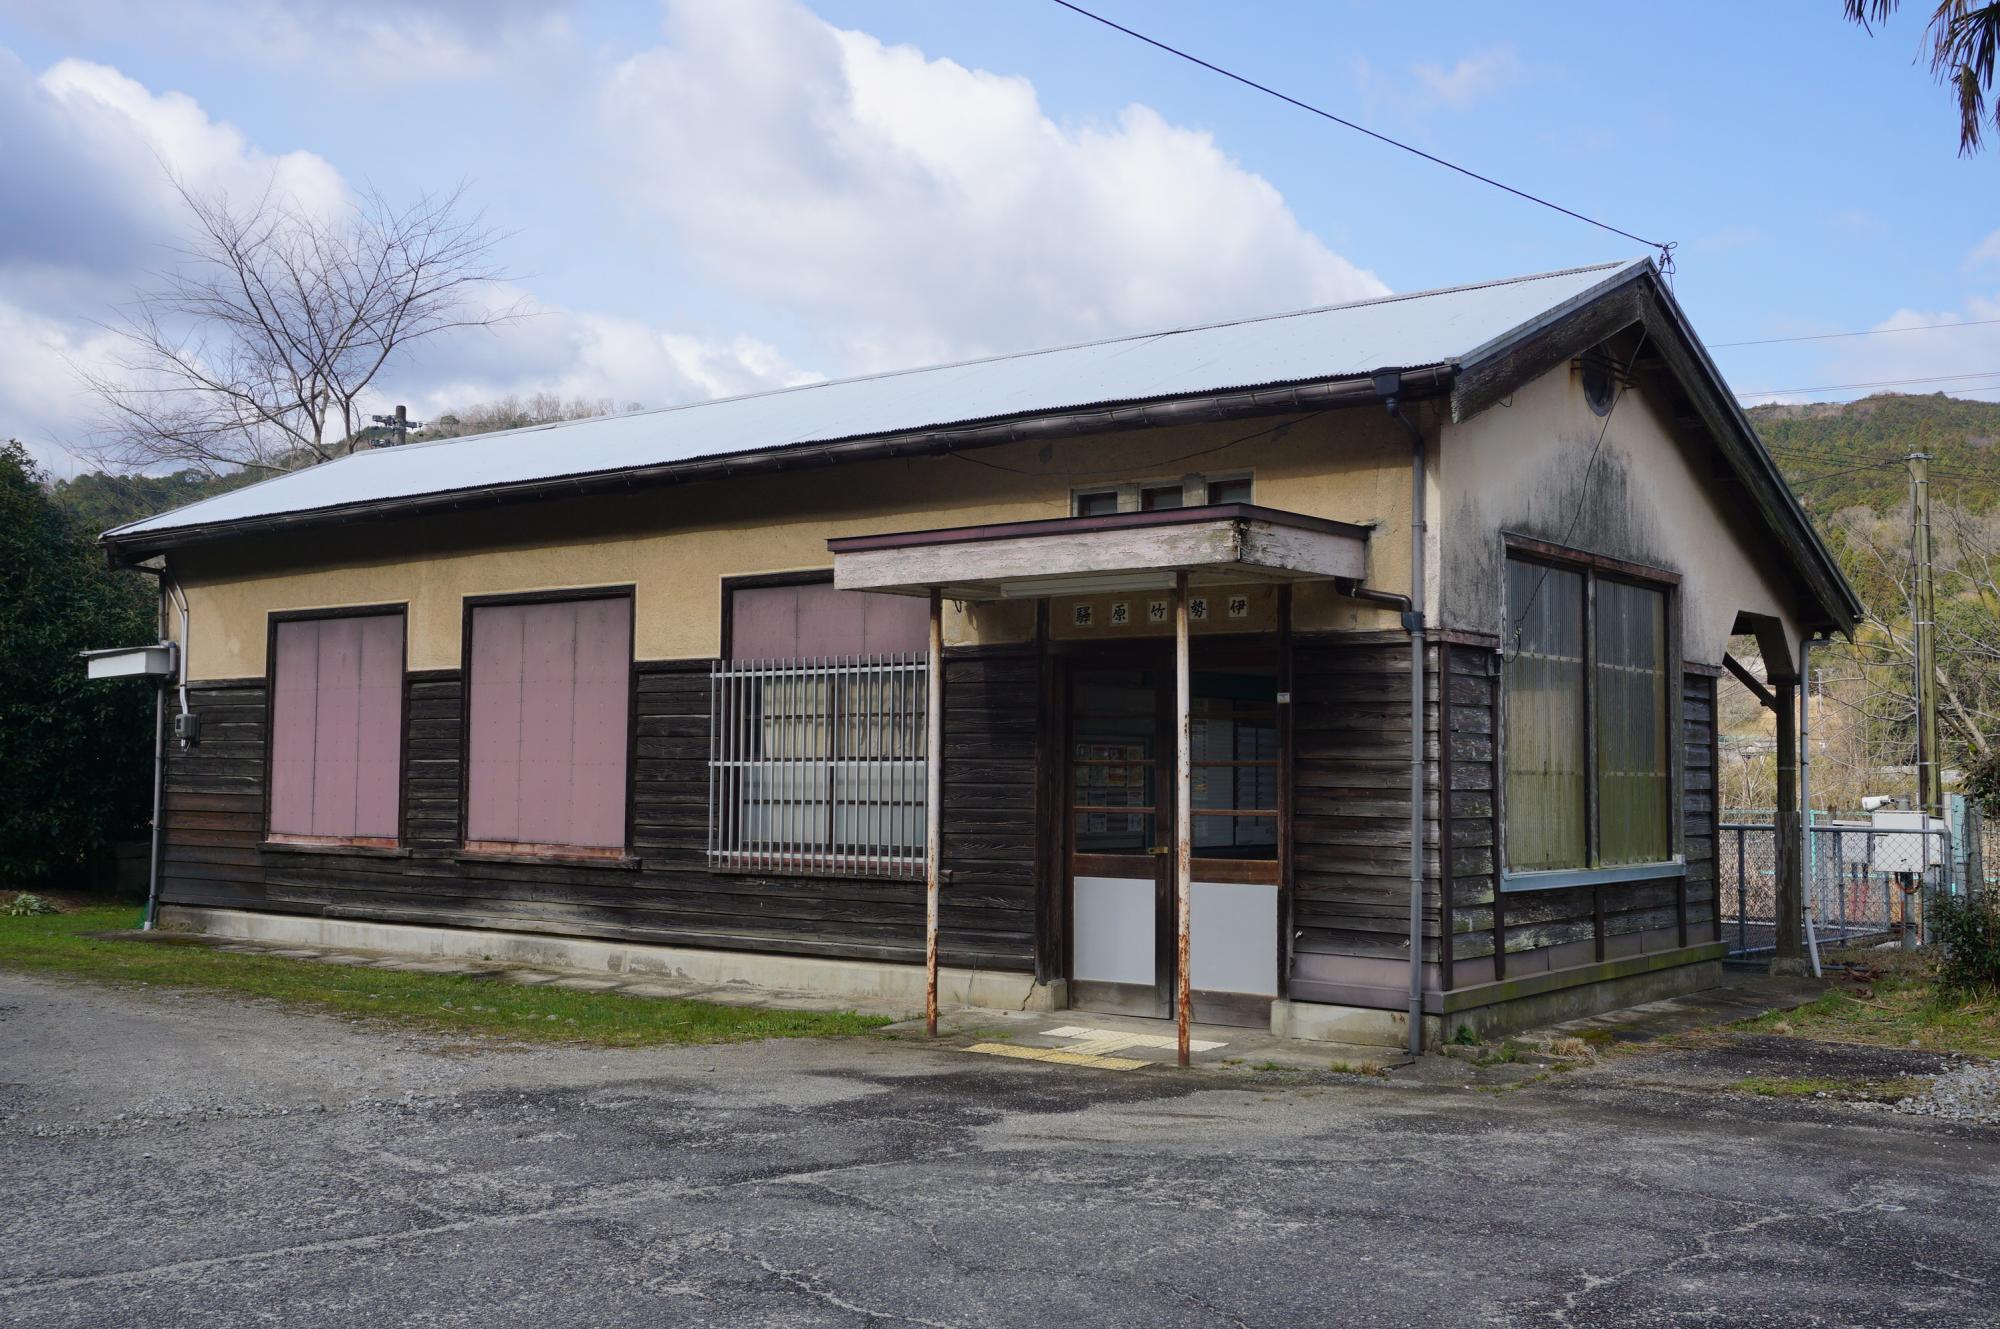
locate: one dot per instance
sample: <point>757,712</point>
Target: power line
<point>1879,383</point>
<point>1664,249</point>
<point>1870,332</point>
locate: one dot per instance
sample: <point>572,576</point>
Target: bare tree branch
<point>256,348</point>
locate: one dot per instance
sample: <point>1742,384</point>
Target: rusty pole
<point>933,805</point>
<point>1183,817</point>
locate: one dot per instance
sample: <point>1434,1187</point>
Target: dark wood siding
<point>1473,706</point>
<point>1699,808</point>
<point>215,853</point>
<point>1546,929</point>
<point>1351,790</point>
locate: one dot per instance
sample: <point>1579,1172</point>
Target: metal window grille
<point>816,767</point>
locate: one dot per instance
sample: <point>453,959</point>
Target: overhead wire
<point>1866,332</point>
<point>1664,250</point>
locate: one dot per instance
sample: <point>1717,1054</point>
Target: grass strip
<point>1898,1004</point>
<point>445,1003</point>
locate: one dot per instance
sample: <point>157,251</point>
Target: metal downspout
<point>1388,386</point>
<point>159,759</point>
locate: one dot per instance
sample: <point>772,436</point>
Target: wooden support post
<point>1791,898</point>
<point>933,805</point>
<point>1183,818</point>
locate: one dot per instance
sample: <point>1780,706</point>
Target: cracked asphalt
<point>178,1159</point>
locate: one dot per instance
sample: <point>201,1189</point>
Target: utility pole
<point>1923,619</point>
<point>1923,614</point>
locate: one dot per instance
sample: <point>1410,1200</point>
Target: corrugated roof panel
<point>1408,331</point>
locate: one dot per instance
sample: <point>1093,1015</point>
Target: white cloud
<point>575,353</point>
<point>99,147</point>
<point>381,41</point>
<point>1985,254</point>
<point>1472,79</point>
<point>1952,351</point>
<point>133,129</point>
<point>1948,354</point>
<point>914,209</point>
<point>41,401</point>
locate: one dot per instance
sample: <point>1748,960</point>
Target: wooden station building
<point>1310,670</point>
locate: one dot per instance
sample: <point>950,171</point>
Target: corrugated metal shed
<point>1395,332</point>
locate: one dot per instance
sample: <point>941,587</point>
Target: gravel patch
<point>1969,1094</point>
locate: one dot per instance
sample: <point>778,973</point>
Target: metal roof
<point>1425,328</point>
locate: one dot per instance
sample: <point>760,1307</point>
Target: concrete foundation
<point>1534,1010</point>
<point>1325,1023</point>
<point>862,980</point>
<point>1499,1009</point>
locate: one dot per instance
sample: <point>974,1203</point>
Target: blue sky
<point>704,197</point>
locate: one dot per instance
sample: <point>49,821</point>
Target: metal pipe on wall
<point>1388,386</point>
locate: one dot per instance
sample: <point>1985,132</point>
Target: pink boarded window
<point>815,620</point>
<point>551,690</point>
<point>337,728</point>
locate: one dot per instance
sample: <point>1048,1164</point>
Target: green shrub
<point>78,771</point>
<point>1967,934</point>
<point>25,905</point>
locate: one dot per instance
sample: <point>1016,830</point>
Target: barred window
<point>816,764</point>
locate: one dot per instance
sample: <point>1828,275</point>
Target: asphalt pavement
<point>171,1158</point>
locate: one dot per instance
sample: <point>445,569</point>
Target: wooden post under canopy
<point>1183,817</point>
<point>933,810</point>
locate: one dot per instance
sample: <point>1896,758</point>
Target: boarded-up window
<point>546,752</point>
<point>337,728</point>
<point>815,621</point>
<point>1575,715</point>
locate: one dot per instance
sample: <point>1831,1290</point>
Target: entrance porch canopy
<point>1221,544</point>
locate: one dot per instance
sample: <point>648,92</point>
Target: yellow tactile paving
<point>1061,1056</point>
<point>1091,1047</point>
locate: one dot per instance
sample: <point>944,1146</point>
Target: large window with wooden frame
<point>817,763</point>
<point>548,726</point>
<point>337,729</point>
<point>1587,704</point>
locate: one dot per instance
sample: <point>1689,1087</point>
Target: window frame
<point>487,851</point>
<point>754,863</point>
<point>347,844</point>
<point>1129,492</point>
<point>1594,568</point>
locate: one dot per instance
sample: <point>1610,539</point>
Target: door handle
<point>1158,851</point>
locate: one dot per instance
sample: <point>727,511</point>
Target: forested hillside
<point>1846,454</point>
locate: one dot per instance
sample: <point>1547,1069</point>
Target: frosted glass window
<point>1546,763</point>
<point>1577,716</point>
<point>1631,695</point>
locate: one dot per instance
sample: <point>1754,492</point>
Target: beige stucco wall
<point>1525,468</point>
<point>675,544</point>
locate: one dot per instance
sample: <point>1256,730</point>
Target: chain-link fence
<point>1862,882</point>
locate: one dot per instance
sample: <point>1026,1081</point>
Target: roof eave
<point>1635,294</point>
<point>1066,422</point>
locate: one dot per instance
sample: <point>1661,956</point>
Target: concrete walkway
<point>1117,1042</point>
